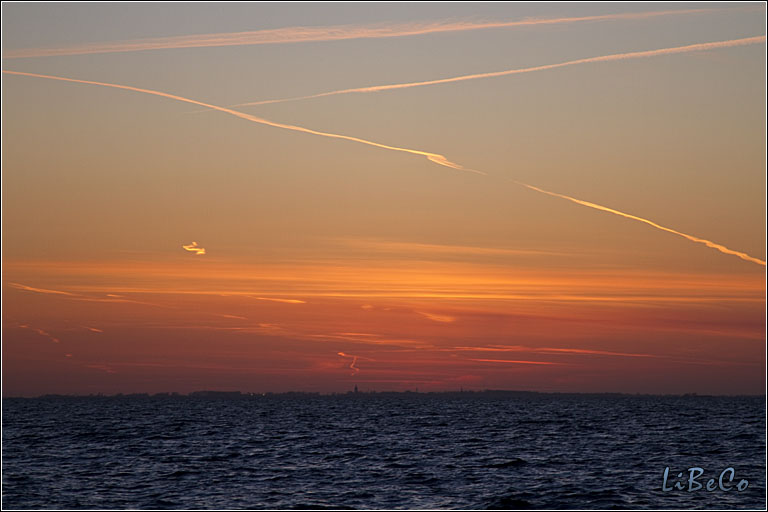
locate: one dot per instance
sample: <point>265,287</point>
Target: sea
<point>371,451</point>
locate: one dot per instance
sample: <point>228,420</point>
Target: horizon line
<point>251,394</point>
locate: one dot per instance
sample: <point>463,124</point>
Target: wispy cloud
<point>110,297</point>
<point>549,350</point>
<point>102,367</point>
<point>514,362</point>
<point>327,33</point>
<point>424,249</point>
<point>378,285</point>
<point>193,247</point>
<point>604,58</point>
<point>379,342</point>
<point>445,319</point>
<point>284,301</point>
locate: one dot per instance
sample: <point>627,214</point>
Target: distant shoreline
<point>205,394</point>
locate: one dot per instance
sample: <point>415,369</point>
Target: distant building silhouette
<point>215,394</point>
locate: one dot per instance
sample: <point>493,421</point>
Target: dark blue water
<point>380,451</point>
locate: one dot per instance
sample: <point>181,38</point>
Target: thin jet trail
<point>604,58</point>
<point>352,366</point>
<point>708,243</point>
<point>433,157</point>
<point>326,33</point>
<point>41,332</point>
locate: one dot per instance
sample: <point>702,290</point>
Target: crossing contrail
<point>604,58</point>
<point>708,243</point>
<point>433,157</point>
<point>316,34</point>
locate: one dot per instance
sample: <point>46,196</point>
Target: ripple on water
<point>424,451</point>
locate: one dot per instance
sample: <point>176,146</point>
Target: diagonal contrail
<point>708,243</point>
<point>40,290</point>
<point>604,58</point>
<point>433,157</point>
<point>316,34</point>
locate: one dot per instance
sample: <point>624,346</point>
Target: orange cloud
<point>437,318</point>
<point>193,247</point>
<point>548,350</point>
<point>284,301</point>
<point>514,362</point>
<point>372,279</point>
<point>103,367</point>
<point>439,249</point>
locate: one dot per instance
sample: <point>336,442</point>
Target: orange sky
<point>191,322</point>
<point>149,246</point>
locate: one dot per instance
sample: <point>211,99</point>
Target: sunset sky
<point>591,218</point>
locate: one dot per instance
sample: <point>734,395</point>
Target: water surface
<point>379,451</point>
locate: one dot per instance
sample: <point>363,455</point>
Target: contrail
<point>547,350</point>
<point>193,247</point>
<point>41,333</point>
<point>77,296</point>
<point>316,34</point>
<point>604,58</point>
<point>433,157</point>
<point>40,290</point>
<point>513,362</point>
<point>284,301</point>
<point>352,366</point>
<point>437,318</point>
<point>708,243</point>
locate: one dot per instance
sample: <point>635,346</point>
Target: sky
<point>271,197</point>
